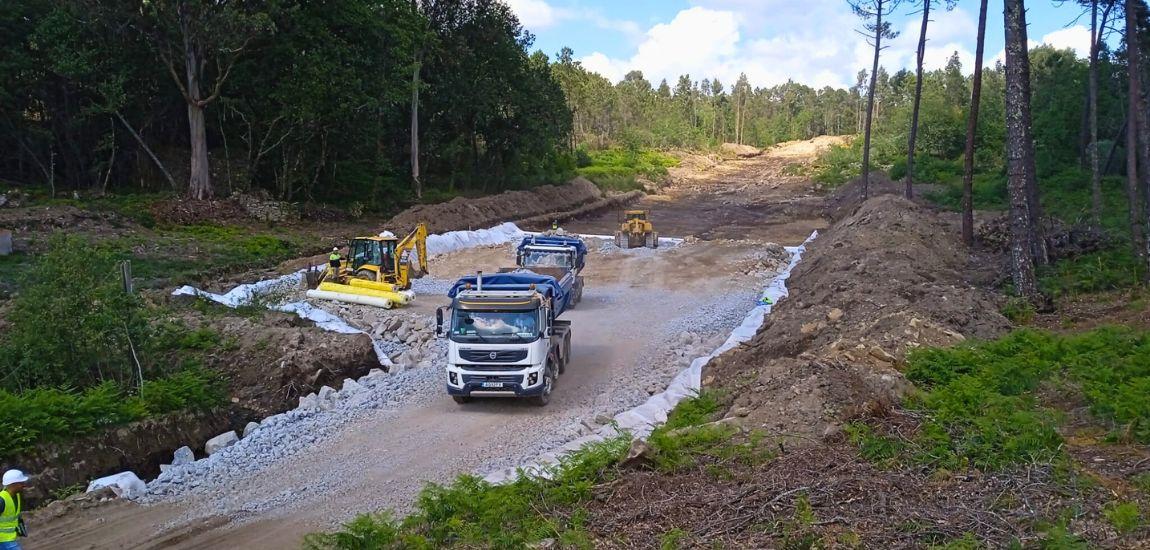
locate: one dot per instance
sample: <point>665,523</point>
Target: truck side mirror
<point>439,322</point>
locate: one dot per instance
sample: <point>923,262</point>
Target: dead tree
<point>875,29</point>
<point>971,129</point>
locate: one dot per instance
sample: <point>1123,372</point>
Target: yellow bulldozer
<point>377,271</point>
<point>636,231</point>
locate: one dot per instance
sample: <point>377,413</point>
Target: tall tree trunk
<point>1134,120</point>
<point>917,99</point>
<point>415,181</point>
<point>1020,163</point>
<point>200,178</point>
<point>971,129</point>
<point>1033,202</point>
<point>1092,110</point>
<point>870,103</point>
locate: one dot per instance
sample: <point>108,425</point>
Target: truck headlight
<point>453,378</point>
<point>532,378</point>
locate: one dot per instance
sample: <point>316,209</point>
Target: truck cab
<point>503,337</point>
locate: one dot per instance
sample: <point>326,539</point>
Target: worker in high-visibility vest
<point>334,260</point>
<point>11,504</point>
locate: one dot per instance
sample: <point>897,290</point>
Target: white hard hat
<point>335,249</point>
<point>14,476</point>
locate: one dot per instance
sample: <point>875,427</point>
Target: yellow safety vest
<point>10,517</point>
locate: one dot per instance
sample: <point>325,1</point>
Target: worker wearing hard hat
<point>11,504</point>
<point>334,259</point>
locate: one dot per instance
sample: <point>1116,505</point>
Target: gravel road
<point>377,442</point>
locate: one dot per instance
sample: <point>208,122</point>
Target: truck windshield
<point>546,258</point>
<point>495,326</point>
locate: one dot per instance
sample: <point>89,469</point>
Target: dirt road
<point>763,197</point>
<point>636,305</point>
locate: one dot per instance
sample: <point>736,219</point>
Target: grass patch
<point>619,169</point>
<point>471,513</point>
<point>981,404</point>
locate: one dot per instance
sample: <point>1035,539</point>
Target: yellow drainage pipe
<point>350,298</point>
<point>364,283</point>
<point>399,298</point>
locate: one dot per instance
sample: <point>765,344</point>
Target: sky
<point>809,41</point>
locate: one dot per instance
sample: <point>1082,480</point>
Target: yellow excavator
<point>636,231</point>
<point>377,271</point>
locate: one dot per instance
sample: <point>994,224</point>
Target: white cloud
<point>1076,38</point>
<point>535,14</point>
<point>813,42</point>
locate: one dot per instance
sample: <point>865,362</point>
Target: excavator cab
<point>371,257</point>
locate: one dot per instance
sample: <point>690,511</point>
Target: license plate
<point>493,384</point>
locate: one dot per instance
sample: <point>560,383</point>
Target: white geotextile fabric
<point>126,485</point>
<point>640,421</point>
<point>437,244</point>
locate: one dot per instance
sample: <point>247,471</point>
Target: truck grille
<point>508,379</point>
<point>492,356</point>
<point>493,368</point>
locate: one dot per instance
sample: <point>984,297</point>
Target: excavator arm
<point>417,240</point>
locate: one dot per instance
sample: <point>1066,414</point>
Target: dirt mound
<point>475,213</point>
<point>277,359</point>
<point>887,279</point>
<point>843,201</point>
<point>185,211</point>
<point>740,151</point>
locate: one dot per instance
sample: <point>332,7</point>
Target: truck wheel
<point>567,352</point>
<point>548,384</point>
<point>654,240</point>
<point>619,239</point>
<point>461,399</point>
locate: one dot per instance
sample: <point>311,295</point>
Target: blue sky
<point>809,41</point>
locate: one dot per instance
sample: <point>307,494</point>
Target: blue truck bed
<point>558,240</point>
<point>519,280</point>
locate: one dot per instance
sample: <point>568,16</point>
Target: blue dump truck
<point>560,256</point>
<point>505,338</point>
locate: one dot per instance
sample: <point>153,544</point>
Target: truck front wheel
<point>544,398</point>
<point>461,399</point>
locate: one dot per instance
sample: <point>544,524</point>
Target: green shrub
<point>980,404</point>
<point>1112,269</point>
<point>472,513</point>
<point>1125,517</point>
<point>1019,310</point>
<point>618,169</point>
<point>71,323</point>
<point>838,164</point>
<point>49,414</point>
